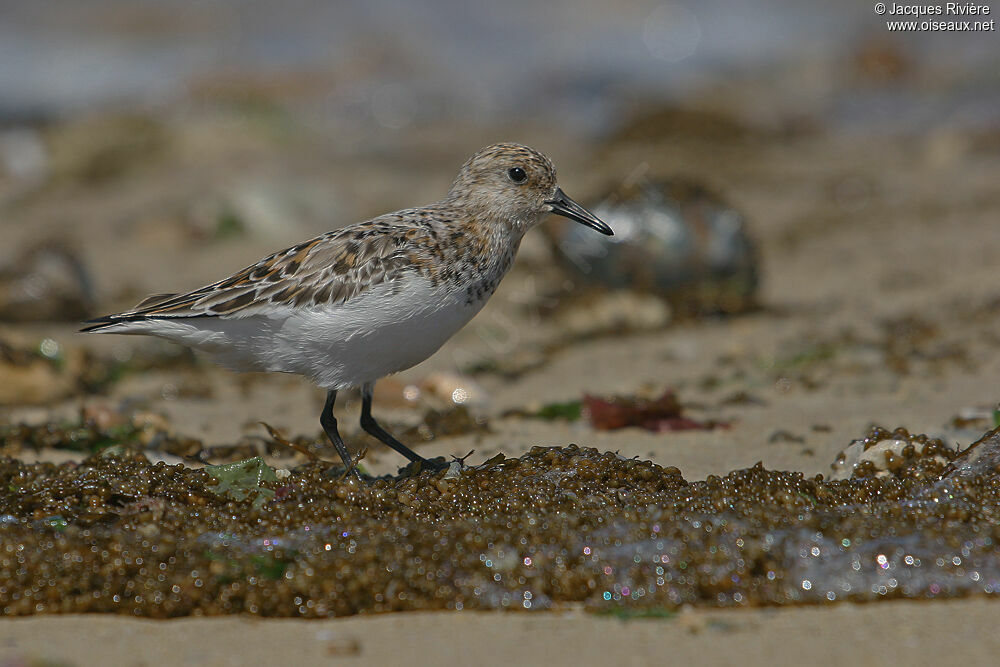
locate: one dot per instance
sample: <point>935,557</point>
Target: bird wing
<point>329,269</point>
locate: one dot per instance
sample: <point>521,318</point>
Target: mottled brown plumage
<point>446,241</point>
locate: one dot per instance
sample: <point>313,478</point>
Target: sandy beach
<point>890,632</point>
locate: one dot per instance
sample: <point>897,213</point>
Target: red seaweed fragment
<point>657,415</point>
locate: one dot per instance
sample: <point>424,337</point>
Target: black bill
<point>566,207</point>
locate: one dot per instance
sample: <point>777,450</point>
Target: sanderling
<point>365,301</point>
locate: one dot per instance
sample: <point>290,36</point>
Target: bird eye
<point>517,174</point>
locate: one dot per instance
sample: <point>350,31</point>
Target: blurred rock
<point>36,375</point>
<point>36,371</point>
<point>657,124</point>
<point>878,61</point>
<point>445,423</point>
<point>948,148</point>
<point>391,392</point>
<point>23,156</point>
<point>511,364</point>
<point>971,422</point>
<point>438,390</point>
<point>265,207</point>
<point>102,147</point>
<point>652,123</point>
<point>674,238</point>
<point>48,283</point>
<point>103,415</point>
<point>272,207</point>
<point>613,312</point>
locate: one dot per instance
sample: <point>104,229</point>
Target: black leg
<point>372,427</point>
<point>329,423</point>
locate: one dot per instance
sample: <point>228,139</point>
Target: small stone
<point>674,238</point>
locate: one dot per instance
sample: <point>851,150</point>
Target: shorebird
<point>362,302</point>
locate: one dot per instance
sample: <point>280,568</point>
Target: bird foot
<point>414,468</point>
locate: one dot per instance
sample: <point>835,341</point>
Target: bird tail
<point>117,323</point>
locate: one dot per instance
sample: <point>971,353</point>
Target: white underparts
<point>381,331</point>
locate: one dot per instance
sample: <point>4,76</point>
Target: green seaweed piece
<point>229,225</point>
<point>270,567</point>
<point>242,480</point>
<point>570,411</point>
<point>114,451</point>
<point>56,522</point>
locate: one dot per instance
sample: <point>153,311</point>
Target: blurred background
<point>366,70</point>
<point>801,195</point>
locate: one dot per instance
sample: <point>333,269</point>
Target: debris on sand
<point>244,480</point>
<point>36,374</point>
<point>48,283</point>
<point>880,453</point>
<point>663,413</point>
<point>557,526</point>
<point>42,371</point>
<point>447,422</point>
<point>658,414</point>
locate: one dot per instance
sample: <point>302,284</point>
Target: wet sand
<point>943,632</point>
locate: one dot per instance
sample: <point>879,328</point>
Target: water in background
<point>389,64</point>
